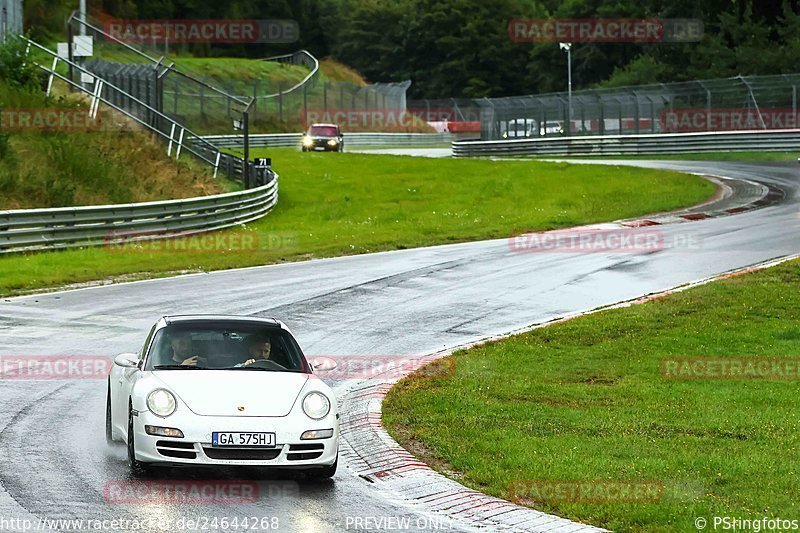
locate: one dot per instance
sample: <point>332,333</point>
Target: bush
<point>15,68</point>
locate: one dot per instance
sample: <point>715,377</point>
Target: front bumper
<point>195,447</point>
<point>322,146</point>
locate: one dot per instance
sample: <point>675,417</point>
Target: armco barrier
<point>350,139</point>
<point>63,227</point>
<point>653,144</point>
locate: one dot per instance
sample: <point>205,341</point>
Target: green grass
<point>705,156</point>
<point>115,163</point>
<point>336,204</point>
<point>584,400</point>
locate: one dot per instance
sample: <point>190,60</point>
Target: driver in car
<point>182,350</point>
<point>259,349</point>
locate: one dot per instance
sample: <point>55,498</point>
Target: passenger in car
<point>258,348</point>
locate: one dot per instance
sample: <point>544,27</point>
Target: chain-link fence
<point>448,115</point>
<point>752,102</point>
<point>192,102</point>
<point>217,107</point>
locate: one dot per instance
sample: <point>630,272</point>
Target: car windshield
<point>323,131</point>
<point>232,346</point>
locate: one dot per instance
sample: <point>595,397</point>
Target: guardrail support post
<point>171,137</point>
<point>95,105</point>
<point>51,76</point>
<point>180,145</point>
<point>246,168</point>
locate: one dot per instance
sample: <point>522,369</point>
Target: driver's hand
<point>192,361</point>
<point>249,362</point>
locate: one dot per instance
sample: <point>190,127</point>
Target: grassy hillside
<point>116,163</point>
<point>332,70</point>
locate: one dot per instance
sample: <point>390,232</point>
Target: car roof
<point>204,319</point>
<point>324,124</point>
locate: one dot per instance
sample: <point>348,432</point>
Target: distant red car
<point>323,138</point>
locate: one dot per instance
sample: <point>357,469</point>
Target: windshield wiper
<point>178,367</point>
<point>255,368</point>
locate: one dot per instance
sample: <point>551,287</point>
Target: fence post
<point>202,101</point>
<point>602,122</point>
<point>256,86</point>
<point>305,102</point>
<point>246,167</point>
<point>280,100</point>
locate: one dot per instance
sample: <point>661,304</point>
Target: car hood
<point>224,392</point>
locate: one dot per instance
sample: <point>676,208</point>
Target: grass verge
<point>118,163</point>
<point>584,401</point>
<point>338,204</point>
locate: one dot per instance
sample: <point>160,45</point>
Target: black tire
<point>109,432</point>
<point>137,467</point>
<point>325,472</point>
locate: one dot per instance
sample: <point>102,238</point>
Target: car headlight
<point>333,142</point>
<point>316,405</point>
<point>308,141</point>
<point>161,402</point>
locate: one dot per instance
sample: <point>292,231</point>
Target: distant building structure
<point>10,18</point>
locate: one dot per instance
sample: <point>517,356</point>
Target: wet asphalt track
<point>54,462</point>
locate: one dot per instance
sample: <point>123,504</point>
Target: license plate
<point>221,439</point>
<point>319,148</point>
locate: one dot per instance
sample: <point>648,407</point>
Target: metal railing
<point>301,57</point>
<point>64,227</point>
<point>350,139</point>
<point>105,92</point>
<point>651,144</point>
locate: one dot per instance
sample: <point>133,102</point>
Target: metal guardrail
<point>655,144</point>
<point>350,139</point>
<point>301,57</point>
<point>64,227</point>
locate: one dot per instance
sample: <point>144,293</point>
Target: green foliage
<point>461,48</point>
<point>15,69</point>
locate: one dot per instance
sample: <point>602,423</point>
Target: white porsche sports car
<point>222,390</point>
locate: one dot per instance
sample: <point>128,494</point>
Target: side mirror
<point>127,360</point>
<point>323,364</point>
